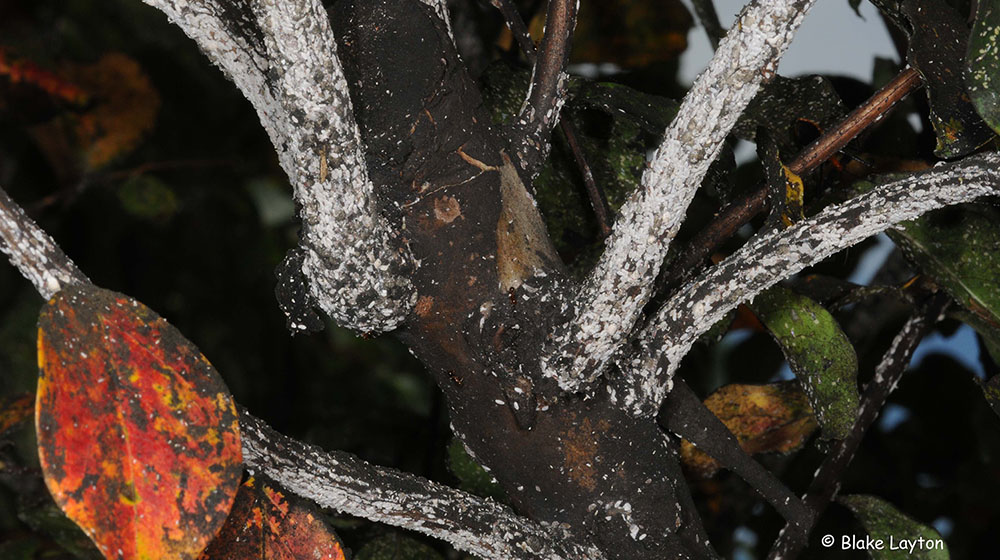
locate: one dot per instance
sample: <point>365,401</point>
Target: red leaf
<point>265,524</point>
<point>137,435</point>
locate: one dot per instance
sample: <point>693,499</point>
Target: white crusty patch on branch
<point>282,55</point>
<point>343,482</point>
<point>611,299</point>
<point>33,252</point>
<point>769,258</point>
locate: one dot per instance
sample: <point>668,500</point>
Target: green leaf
<point>148,198</point>
<point>818,352</point>
<point>903,538</point>
<point>856,6</point>
<point>472,477</point>
<point>394,546</point>
<point>959,248</point>
<point>982,76</point>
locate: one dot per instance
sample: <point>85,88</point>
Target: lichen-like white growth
<point>776,255</point>
<point>282,55</point>
<point>343,482</point>
<point>605,310</point>
<point>33,252</point>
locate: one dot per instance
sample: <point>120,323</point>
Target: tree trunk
<point>489,288</point>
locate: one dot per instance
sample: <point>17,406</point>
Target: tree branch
<point>688,417</point>
<point>826,481</point>
<point>546,93</point>
<point>611,299</point>
<point>336,480</point>
<point>33,252</point>
<point>771,257</point>
<point>440,8</point>
<point>733,216</point>
<point>343,482</point>
<point>282,56</point>
<point>597,199</point>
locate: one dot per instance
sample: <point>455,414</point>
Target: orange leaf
<point>764,418</point>
<point>266,524</point>
<point>14,411</point>
<point>27,72</point>
<point>629,33</point>
<point>137,435</point>
<point>126,104</point>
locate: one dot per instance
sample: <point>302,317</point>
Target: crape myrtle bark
<point>489,287</point>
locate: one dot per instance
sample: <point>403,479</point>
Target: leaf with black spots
<point>982,74</point>
<point>938,43</point>
<point>138,436</point>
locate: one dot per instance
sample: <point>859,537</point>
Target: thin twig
<point>738,213</point>
<point>64,196</point>
<point>598,200</point>
<point>826,481</point>
<point>515,23</point>
<point>595,193</point>
<point>546,94</point>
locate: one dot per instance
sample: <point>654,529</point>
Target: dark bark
<point>488,289</point>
